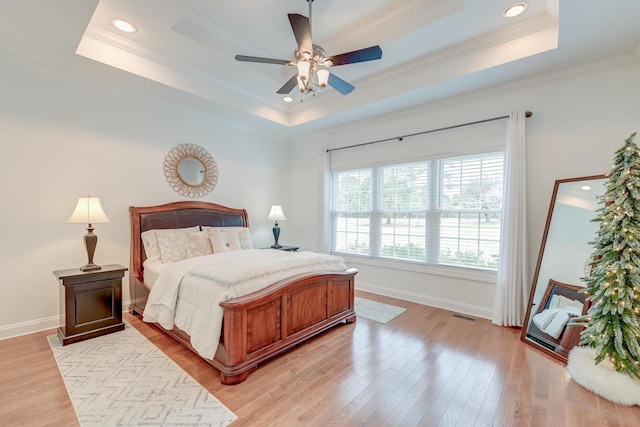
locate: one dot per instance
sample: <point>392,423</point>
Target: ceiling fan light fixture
<point>311,61</point>
<point>302,85</point>
<point>514,9</point>
<point>323,77</point>
<point>124,25</point>
<point>303,70</point>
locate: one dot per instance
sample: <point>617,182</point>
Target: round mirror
<point>190,170</point>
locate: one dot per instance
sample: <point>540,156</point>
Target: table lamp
<point>276,214</point>
<point>89,211</point>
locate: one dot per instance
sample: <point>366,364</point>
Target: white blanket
<point>553,320</point>
<point>187,294</point>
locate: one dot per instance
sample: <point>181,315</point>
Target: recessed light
<point>287,99</point>
<point>514,9</point>
<point>124,25</point>
<point>585,188</point>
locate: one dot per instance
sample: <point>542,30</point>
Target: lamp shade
<point>323,77</point>
<point>88,211</point>
<point>276,214</point>
<point>303,70</point>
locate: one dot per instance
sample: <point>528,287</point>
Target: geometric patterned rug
<point>122,379</point>
<point>376,311</point>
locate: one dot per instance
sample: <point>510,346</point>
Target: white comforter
<point>187,293</point>
<point>554,319</point>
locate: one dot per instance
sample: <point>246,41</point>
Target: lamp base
<point>276,234</point>
<point>90,267</point>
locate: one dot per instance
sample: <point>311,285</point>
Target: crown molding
<point>111,49</point>
<point>395,20</point>
<point>476,45</point>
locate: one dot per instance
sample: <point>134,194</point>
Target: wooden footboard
<point>261,325</point>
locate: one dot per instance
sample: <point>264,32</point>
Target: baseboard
<point>456,306</point>
<point>25,328</point>
<point>38,325</point>
<point>30,327</point>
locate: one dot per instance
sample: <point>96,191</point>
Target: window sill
<point>472,274</point>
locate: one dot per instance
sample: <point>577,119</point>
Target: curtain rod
<point>400,138</point>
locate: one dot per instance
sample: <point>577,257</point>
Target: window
<point>440,211</point>
<point>352,211</point>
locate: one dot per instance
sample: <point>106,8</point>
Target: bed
<point>563,338</point>
<point>259,325</point>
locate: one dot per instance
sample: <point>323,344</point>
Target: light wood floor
<point>424,368</point>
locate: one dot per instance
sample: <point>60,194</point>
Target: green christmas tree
<point>612,322</point>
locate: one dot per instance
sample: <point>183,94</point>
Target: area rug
<point>602,379</point>
<point>122,379</point>
<point>376,311</point>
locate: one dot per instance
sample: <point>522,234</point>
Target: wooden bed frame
<point>258,326</point>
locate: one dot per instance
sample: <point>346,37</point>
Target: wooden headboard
<point>177,215</point>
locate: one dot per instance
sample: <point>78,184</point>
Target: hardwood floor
<point>424,368</point>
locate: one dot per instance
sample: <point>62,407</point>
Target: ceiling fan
<point>312,62</point>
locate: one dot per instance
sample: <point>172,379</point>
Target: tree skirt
<point>602,379</point>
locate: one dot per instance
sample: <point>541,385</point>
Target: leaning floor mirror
<point>562,264</point>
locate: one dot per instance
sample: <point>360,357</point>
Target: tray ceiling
<point>183,51</point>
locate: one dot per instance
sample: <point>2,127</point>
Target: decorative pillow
<point>225,241</point>
<point>245,239</point>
<point>243,234</point>
<point>173,246</point>
<point>199,244</point>
<point>150,242</point>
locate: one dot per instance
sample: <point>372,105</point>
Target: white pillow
<point>173,246</point>
<point>245,239</point>
<point>244,235</point>
<point>225,241</point>
<point>150,242</point>
<point>560,301</point>
<point>199,244</point>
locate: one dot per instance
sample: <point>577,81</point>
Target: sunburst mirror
<point>191,170</point>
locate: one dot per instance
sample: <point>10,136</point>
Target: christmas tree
<point>612,322</point>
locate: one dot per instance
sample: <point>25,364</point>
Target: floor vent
<point>460,316</point>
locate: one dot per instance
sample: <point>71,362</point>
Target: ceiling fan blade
<point>262,60</point>
<point>367,54</point>
<point>340,85</point>
<point>289,85</point>
<point>302,31</point>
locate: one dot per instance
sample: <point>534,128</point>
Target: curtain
<point>512,282</point>
<point>324,244</point>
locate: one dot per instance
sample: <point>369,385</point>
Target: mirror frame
<point>525,325</point>
<point>178,183</point>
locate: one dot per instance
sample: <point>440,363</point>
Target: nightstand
<point>286,248</point>
<point>91,302</point>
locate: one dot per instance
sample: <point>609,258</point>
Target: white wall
<point>62,137</point>
<point>581,116</point>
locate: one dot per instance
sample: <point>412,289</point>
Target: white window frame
<point>433,212</point>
